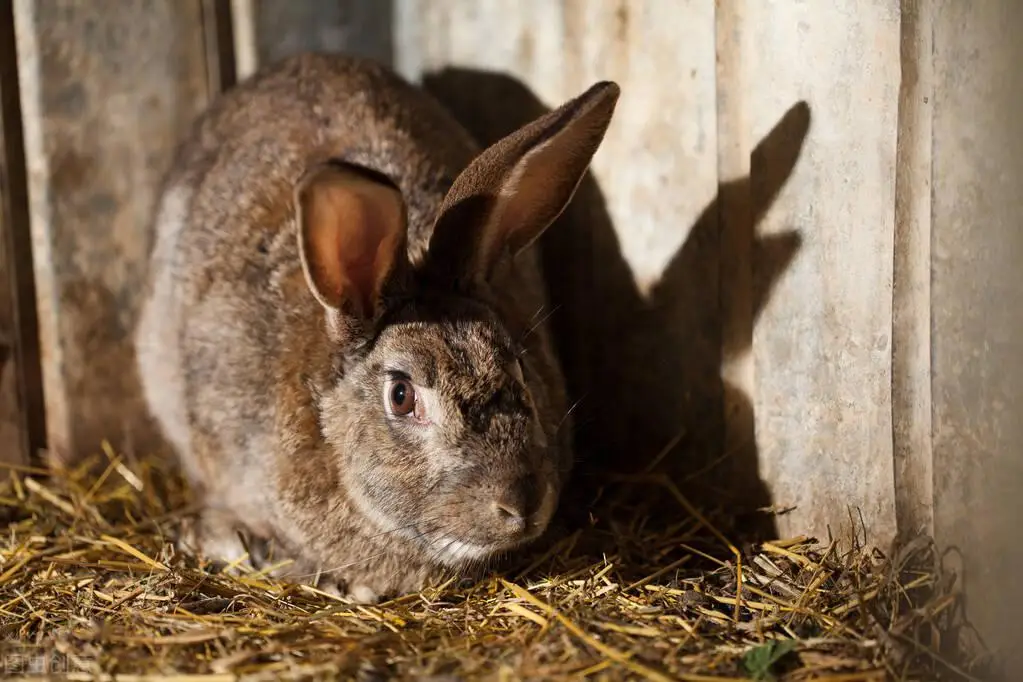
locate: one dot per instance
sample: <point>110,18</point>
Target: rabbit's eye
<point>403,397</point>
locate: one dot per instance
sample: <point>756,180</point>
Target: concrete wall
<point>793,264</point>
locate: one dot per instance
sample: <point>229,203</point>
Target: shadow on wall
<point>646,371</point>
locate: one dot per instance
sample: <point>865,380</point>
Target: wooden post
<point>22,422</point>
<point>107,90</point>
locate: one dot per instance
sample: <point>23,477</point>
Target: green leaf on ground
<point>760,661</point>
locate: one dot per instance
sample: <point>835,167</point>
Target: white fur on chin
<point>454,552</point>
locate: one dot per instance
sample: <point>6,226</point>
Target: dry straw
<point>91,588</point>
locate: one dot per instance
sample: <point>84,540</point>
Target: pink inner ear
<point>366,258</point>
<point>353,229</point>
<point>356,256</point>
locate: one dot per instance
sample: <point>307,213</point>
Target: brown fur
<point>297,271</point>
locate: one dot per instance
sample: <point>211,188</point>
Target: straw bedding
<point>91,588</point>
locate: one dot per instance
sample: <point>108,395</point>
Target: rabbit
<point>343,339</point>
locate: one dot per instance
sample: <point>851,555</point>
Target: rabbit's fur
<point>329,242</point>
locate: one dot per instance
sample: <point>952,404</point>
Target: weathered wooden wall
<point>106,92</point>
<point>12,448</point>
<point>22,419</point>
<point>976,311</point>
<point>797,247</point>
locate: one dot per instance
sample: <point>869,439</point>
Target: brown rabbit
<point>343,337</point>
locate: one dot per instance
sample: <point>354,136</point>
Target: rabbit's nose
<point>516,504</point>
<point>510,516</point>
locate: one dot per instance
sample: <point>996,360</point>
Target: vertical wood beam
<point>19,301</point>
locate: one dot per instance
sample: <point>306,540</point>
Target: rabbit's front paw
<point>219,538</point>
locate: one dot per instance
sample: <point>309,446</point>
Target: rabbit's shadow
<point>645,370</point>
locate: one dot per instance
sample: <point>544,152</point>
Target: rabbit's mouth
<point>456,553</point>
<point>492,532</point>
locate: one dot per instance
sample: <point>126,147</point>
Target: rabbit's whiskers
<point>538,323</point>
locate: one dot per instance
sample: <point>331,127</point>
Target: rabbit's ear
<point>352,227</point>
<point>516,188</point>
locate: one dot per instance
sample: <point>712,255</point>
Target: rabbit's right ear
<point>509,194</point>
<point>352,226</point>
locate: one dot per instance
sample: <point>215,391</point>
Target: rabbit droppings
<point>343,334</point>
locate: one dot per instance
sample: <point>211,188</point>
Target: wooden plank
<point>911,293</point>
<point>22,419</point>
<point>976,289</point>
<point>737,225</point>
<point>822,344</point>
<point>280,28</point>
<point>107,90</point>
<point>221,62</point>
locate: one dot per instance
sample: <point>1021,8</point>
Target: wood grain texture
<point>911,275</point>
<point>792,262</point>
<point>977,246</point>
<point>22,418</point>
<point>822,346</point>
<point>107,90</point>
<point>282,28</point>
<point>12,446</point>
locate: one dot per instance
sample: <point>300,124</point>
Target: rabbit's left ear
<point>504,200</point>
